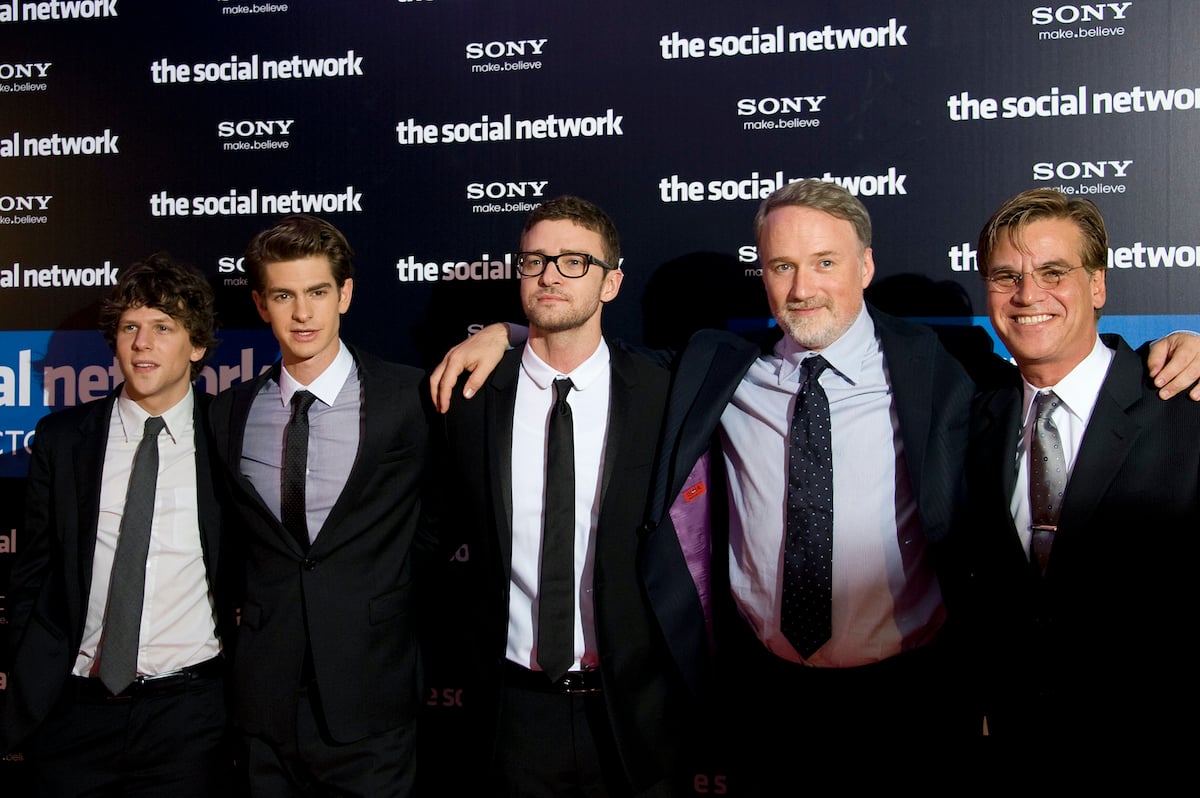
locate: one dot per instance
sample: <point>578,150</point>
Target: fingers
<point>1174,362</point>
<point>439,389</point>
<point>478,355</point>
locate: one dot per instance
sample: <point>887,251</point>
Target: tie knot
<point>811,368</point>
<point>562,386</point>
<point>154,425</point>
<point>302,400</point>
<point>1045,403</point>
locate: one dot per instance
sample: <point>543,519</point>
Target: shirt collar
<point>1079,389</point>
<point>325,387</point>
<point>846,355</point>
<point>177,420</point>
<point>585,374</point>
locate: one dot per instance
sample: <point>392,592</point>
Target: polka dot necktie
<point>1047,479</point>
<point>292,503</point>
<point>807,611</point>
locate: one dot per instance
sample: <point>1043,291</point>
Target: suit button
<point>310,565</point>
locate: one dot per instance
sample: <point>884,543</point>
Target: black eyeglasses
<point>1006,281</point>
<point>569,264</point>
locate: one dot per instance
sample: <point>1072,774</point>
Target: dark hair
<point>180,291</point>
<point>295,237</point>
<point>822,196</point>
<point>586,215</point>
<point>1046,203</point>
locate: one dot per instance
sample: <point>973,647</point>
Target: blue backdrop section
<point>80,364</point>
<point>1136,330</point>
<point>45,370</point>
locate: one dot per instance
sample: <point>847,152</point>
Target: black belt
<point>92,689</point>
<point>573,682</point>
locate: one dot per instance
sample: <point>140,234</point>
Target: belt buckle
<point>150,682</point>
<point>578,682</point>
<point>149,678</point>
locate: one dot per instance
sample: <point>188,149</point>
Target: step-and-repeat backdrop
<point>427,129</point>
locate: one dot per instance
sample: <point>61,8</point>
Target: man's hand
<point>1174,363</point>
<point>479,355</point>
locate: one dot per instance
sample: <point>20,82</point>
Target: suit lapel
<point>501,401</point>
<point>1000,428</point>
<point>1107,441</point>
<point>997,431</point>
<point>209,512</point>
<point>913,398</point>
<point>373,438</point>
<point>239,412</point>
<point>620,408</point>
<point>695,409</point>
<point>89,475</point>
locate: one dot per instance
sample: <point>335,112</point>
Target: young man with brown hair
<point>119,606</point>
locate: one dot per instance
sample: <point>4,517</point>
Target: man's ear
<point>612,285</point>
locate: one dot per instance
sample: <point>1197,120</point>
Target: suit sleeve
<point>32,567</point>
<point>429,534</point>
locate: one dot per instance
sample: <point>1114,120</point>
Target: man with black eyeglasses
<point>1085,488</point>
<point>834,516</point>
<point>550,467</point>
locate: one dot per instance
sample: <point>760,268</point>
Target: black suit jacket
<point>643,691</point>
<point>348,599</point>
<point>52,576</point>
<point>932,400</point>
<point>1098,645</point>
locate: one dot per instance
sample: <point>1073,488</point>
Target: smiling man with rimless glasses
<point>1085,488</point>
<point>574,693</point>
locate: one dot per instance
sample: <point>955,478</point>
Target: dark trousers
<point>312,764</point>
<point>556,745</point>
<point>782,718</point>
<point>169,742</point>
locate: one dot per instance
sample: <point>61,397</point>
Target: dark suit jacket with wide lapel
<point>932,399</point>
<point>642,689</point>
<point>52,576</point>
<point>1096,645</point>
<point>349,597</point>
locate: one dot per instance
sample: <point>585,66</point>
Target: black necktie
<point>123,617</point>
<point>295,467</point>
<point>807,610</point>
<point>556,605</point>
<point>1047,479</point>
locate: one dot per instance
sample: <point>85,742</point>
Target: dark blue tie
<point>807,609</point>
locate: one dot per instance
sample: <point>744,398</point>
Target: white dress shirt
<point>334,426</point>
<point>886,597</point>
<point>178,622</point>
<point>1077,392</point>
<point>589,401</point>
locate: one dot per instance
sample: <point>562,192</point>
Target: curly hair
<point>180,291</point>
